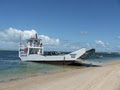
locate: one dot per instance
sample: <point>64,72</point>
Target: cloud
<point>83,32</point>
<point>101,43</point>
<point>118,37</point>
<point>118,46</point>
<point>11,37</point>
<point>88,44</point>
<point>47,40</point>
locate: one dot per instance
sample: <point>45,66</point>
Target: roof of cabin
<point>33,39</point>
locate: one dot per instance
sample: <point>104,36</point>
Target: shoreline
<point>65,69</point>
<point>89,78</point>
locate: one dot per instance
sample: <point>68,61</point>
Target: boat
<point>33,51</point>
<point>99,56</point>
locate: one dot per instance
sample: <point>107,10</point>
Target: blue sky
<point>84,23</point>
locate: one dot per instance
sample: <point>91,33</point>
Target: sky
<point>64,25</point>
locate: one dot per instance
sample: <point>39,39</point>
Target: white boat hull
<point>54,58</point>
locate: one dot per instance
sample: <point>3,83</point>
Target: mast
<point>20,45</point>
<point>36,36</point>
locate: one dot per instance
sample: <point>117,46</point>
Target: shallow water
<point>104,57</point>
<point>11,67</point>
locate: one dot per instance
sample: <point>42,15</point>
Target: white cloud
<point>88,44</point>
<point>47,40</point>
<point>83,32</point>
<point>118,37</point>
<point>11,37</point>
<point>101,43</point>
<point>118,46</point>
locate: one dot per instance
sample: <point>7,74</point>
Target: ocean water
<point>11,67</point>
<point>104,57</point>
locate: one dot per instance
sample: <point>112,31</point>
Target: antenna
<point>21,35</point>
<point>20,46</point>
<point>36,36</point>
<point>20,40</point>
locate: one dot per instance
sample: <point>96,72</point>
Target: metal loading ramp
<point>89,63</point>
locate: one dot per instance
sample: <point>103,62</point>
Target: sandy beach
<point>90,78</point>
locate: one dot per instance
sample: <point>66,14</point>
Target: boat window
<point>34,51</point>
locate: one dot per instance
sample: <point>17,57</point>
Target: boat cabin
<point>33,46</point>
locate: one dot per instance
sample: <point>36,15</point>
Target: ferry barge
<point>33,51</point>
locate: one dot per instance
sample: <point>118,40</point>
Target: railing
<point>22,52</point>
<point>35,45</point>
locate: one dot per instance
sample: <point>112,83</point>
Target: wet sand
<point>91,78</point>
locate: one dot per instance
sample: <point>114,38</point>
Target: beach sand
<point>90,78</point>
